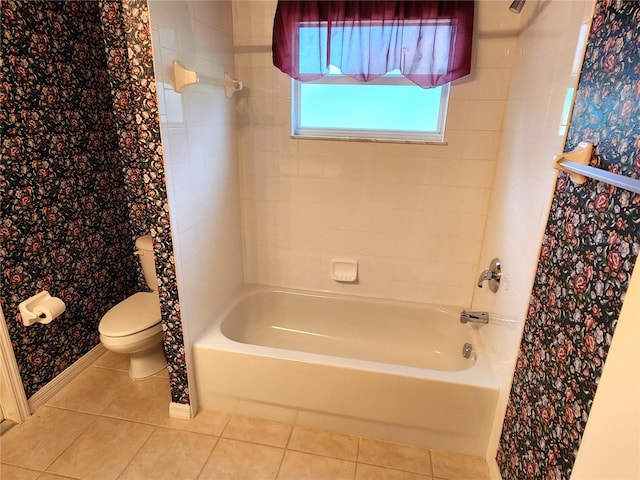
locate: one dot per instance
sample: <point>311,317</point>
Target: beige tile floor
<point>105,426</point>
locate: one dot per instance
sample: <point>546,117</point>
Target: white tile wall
<point>199,140</point>
<point>524,179</point>
<point>413,215</point>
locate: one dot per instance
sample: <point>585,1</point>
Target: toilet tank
<point>144,250</point>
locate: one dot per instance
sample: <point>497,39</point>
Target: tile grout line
<point>156,424</point>
<point>431,462</point>
<point>97,417</point>
<point>46,469</point>
<point>355,474</point>
<point>215,445</point>
<point>113,417</point>
<point>137,451</point>
<point>396,469</point>
<point>284,451</point>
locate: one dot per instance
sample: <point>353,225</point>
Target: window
<point>363,65</point>
<point>390,108</point>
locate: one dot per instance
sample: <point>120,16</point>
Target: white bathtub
<point>378,368</point>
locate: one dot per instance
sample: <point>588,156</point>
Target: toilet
<point>133,326</point>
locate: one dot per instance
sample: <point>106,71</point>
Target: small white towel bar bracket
<point>576,163</point>
<point>183,77</point>
<point>580,155</point>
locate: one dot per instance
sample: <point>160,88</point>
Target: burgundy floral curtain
<point>429,42</point>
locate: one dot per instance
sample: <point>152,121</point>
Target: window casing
<point>389,108</point>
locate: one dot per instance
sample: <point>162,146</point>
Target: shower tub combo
<point>378,368</point>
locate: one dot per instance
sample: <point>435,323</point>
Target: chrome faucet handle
<point>484,276</point>
<point>492,275</point>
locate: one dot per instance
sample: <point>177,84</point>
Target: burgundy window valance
<point>429,42</point>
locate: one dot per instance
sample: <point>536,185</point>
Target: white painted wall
<point>610,447</point>
<point>199,139</point>
<point>412,215</point>
<point>548,57</point>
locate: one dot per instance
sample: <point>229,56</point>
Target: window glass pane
<point>369,107</point>
<point>313,50</point>
<point>313,46</point>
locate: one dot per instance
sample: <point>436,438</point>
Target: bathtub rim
<point>481,374</point>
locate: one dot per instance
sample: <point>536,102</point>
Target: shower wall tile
<point>492,19</point>
<point>387,204</point>
<point>198,128</point>
<point>524,180</point>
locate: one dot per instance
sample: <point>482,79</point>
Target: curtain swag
<point>429,42</point>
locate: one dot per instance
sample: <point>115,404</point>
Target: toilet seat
<point>135,314</point>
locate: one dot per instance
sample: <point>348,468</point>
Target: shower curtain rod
<point>183,77</point>
<point>576,163</point>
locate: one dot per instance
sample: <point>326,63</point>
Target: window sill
<point>369,140</point>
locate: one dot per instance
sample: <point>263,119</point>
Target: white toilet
<point>134,325</point>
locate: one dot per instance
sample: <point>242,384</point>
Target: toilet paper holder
<point>41,308</point>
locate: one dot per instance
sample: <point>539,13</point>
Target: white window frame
<point>400,136</point>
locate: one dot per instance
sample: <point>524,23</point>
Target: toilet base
<point>146,363</point>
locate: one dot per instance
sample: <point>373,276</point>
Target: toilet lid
<point>134,314</point>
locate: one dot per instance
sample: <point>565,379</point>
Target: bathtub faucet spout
<point>474,317</point>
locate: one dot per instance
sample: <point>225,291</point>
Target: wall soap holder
<point>344,270</point>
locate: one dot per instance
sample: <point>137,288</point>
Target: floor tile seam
<point>32,469</point>
<point>427,474</point>
<point>284,451</point>
<point>46,469</point>
<point>124,469</point>
<point>355,473</point>
<point>206,461</point>
<point>262,444</point>
<point>226,423</point>
<point>334,457</point>
<point>105,415</point>
<point>101,412</point>
<point>109,368</point>
<point>153,429</point>
<point>284,446</point>
<point>177,429</point>
<point>109,415</point>
<point>431,462</point>
<point>323,456</point>
<point>396,469</point>
<point>59,475</point>
<point>355,464</point>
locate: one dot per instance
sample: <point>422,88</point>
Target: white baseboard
<point>494,470</point>
<point>181,411</point>
<point>43,395</point>
<point>13,399</point>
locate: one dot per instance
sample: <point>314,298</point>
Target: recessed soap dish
<point>344,270</point>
